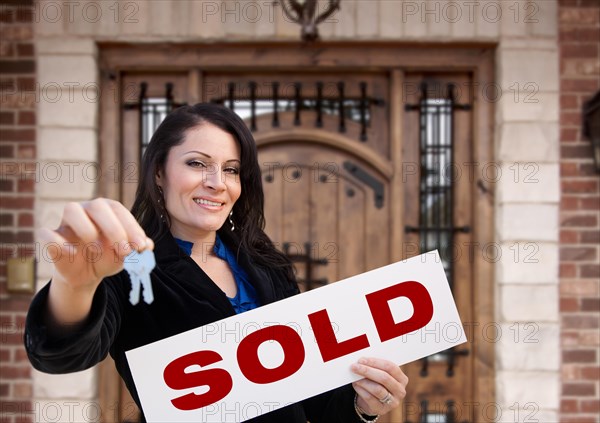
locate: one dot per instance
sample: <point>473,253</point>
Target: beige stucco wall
<point>526,211</point>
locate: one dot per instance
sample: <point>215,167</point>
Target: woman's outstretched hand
<point>383,387</point>
<point>91,243</point>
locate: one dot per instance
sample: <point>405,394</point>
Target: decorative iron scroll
<point>249,103</point>
<point>436,191</point>
<point>152,111</point>
<point>367,179</point>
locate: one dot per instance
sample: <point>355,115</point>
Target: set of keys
<point>138,266</point>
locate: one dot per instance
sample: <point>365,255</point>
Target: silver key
<point>139,266</point>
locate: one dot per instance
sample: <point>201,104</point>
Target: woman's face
<point>200,181</point>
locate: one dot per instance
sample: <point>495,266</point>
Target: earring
<point>162,217</point>
<point>231,220</point>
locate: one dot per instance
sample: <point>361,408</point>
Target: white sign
<point>264,359</point>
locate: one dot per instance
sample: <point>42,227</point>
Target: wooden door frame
<point>336,57</point>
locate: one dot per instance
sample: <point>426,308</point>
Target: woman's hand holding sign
<point>383,386</point>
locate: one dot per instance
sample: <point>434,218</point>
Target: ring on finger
<point>387,400</point>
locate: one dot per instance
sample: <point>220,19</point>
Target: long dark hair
<point>248,211</point>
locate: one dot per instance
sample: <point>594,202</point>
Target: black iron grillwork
<point>152,111</point>
<point>310,262</point>
<point>247,100</point>
<point>436,191</point>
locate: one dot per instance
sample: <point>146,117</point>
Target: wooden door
<point>343,174</point>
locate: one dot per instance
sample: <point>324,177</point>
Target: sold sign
<point>267,358</point>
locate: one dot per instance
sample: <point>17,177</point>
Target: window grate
<point>152,111</point>
<point>436,192</point>
<point>247,102</point>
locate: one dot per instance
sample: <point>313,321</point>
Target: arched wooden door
<point>325,206</point>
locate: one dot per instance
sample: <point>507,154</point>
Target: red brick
<point>9,202</point>
<point>590,271</point>
<point>569,304</point>
<point>589,338</point>
<point>7,151</point>
<point>22,390</point>
<point>590,288</point>
<point>569,203</point>
<point>593,4</point>
<point>17,66</point>
<point>577,419</point>
<point>579,50</point>
<point>590,203</point>
<point>4,389</point>
<point>569,169</point>
<point>21,355</point>
<point>578,16</point>
<point>26,151</point>
<point>15,372</point>
<point>24,15</point>
<point>579,186</point>
<point>569,405</point>
<point>570,118</point>
<point>7,84</point>
<point>7,118</point>
<point>590,237</point>
<point>584,220</point>
<point>579,356</point>
<point>25,49</point>
<point>16,32</point>
<point>569,102</point>
<point>26,118</point>
<point>17,135</point>
<point>569,134</point>
<point>590,406</point>
<point>578,389</point>
<point>569,237</point>
<point>12,339</point>
<point>579,35</point>
<point>567,270</point>
<point>26,185</point>
<point>6,219</point>
<point>25,220</point>
<point>590,304</point>
<point>7,15</point>
<point>582,151</point>
<point>578,85</point>
<point>7,185</point>
<point>577,253</point>
<point>590,373</point>
<point>4,355</point>
<point>26,84</point>
<point>24,237</point>
<point>569,339</point>
<point>587,169</point>
<point>580,321</point>
<point>14,304</point>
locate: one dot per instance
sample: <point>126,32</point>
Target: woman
<point>201,199</point>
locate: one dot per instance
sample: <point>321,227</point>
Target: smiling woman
<point>200,202</point>
<point>200,182</point>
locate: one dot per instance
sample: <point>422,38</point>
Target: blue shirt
<point>246,297</point>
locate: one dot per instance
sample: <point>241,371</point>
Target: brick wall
<point>579,25</point>
<point>17,153</point>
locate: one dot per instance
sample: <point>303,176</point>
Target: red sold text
<point>220,382</point>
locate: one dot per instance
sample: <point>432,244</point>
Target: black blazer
<point>184,298</point>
